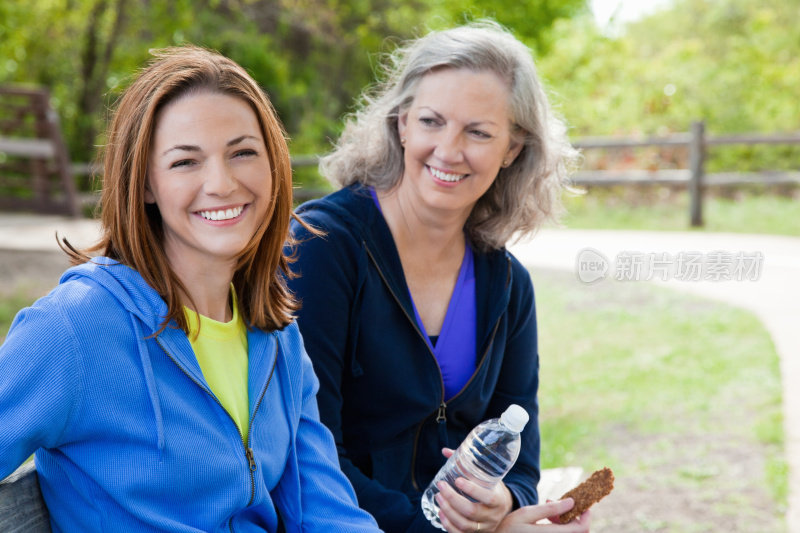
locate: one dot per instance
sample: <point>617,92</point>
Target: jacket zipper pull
<point>251,459</point>
<point>441,416</point>
<point>441,420</point>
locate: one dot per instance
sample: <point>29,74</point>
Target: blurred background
<point>634,68</point>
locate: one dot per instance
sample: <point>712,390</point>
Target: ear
<point>148,194</point>
<point>513,151</point>
<point>402,123</point>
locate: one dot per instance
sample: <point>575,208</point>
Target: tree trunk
<point>96,58</point>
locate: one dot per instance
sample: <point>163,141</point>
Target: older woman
<point>419,323</point>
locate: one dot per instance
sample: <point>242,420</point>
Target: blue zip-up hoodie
<point>381,390</point>
<point>129,437</point>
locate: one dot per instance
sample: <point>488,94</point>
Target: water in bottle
<point>485,457</point>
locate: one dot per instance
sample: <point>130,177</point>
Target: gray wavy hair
<point>525,194</point>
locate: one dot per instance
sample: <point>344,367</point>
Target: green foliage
<point>530,21</point>
<point>313,57</point>
<point>733,63</point>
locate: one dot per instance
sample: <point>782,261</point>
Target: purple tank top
<point>455,347</point>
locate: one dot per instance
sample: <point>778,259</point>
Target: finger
<point>450,508</point>
<point>549,518</point>
<point>456,501</point>
<point>530,514</point>
<point>446,525</point>
<point>462,503</point>
<point>578,525</point>
<point>523,519</point>
<point>491,505</point>
<point>450,527</point>
<point>447,452</point>
<point>585,520</point>
<point>561,507</point>
<point>475,491</point>
<point>447,517</point>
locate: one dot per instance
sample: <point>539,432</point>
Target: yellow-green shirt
<point>221,350</point>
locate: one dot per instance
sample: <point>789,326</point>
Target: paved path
<point>38,232</point>
<point>774,296</point>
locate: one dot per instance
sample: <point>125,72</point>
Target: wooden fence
<point>695,178</point>
<point>34,164</point>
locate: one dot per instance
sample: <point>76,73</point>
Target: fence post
<point>697,169</point>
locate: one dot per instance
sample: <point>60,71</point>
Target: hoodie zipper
<point>248,452</point>
<point>441,410</point>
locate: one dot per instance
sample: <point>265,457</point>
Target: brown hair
<point>132,231</point>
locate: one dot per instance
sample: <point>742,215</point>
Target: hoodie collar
<point>127,286</point>
<point>142,301</point>
<point>356,206</point>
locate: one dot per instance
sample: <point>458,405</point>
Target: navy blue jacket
<point>381,392</point>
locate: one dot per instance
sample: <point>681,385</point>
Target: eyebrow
<point>195,148</point>
<point>473,123</point>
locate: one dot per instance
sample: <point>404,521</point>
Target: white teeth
<point>222,214</point>
<point>444,176</point>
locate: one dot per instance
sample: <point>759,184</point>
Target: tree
<point>733,63</point>
<point>313,57</point>
<point>531,20</point>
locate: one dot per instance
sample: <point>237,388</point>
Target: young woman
<point>418,320</point>
<point>163,385</point>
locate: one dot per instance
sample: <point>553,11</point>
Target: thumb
<point>558,508</point>
<point>530,514</point>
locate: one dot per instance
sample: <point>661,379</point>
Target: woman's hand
<point>460,515</point>
<point>526,519</point>
<point>491,512</point>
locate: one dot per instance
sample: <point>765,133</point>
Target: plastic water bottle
<point>485,457</point>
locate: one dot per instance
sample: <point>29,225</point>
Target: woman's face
<point>209,174</point>
<point>457,135</point>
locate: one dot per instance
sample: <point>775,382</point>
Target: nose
<point>219,180</point>
<point>449,147</point>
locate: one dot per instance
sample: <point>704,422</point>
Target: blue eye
<point>427,121</point>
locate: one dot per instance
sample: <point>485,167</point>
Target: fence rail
<point>682,139</point>
<point>34,164</point>
<point>694,178</point>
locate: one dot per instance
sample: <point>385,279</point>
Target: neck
<point>430,233</point>
<point>212,303</point>
<point>207,288</point>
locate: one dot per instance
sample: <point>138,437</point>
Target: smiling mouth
<point>222,214</point>
<point>446,176</point>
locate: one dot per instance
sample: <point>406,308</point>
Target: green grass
<point>666,210</point>
<point>659,385</point>
<point>9,306</point>
<point>669,390</point>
